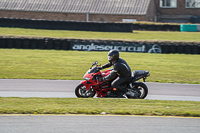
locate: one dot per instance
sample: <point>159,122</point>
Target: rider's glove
<point>101,79</point>
<point>100,68</point>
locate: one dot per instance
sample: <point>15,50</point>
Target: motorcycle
<point>91,85</point>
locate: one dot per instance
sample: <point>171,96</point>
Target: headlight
<point>87,79</point>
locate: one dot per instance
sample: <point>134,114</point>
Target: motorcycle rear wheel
<point>141,88</point>
<point>81,92</point>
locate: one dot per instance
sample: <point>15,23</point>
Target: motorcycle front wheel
<point>81,92</point>
<point>141,88</point>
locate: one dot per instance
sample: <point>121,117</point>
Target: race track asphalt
<point>97,124</point>
<point>65,88</point>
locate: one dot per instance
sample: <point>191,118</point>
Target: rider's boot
<point>122,92</point>
<point>131,94</point>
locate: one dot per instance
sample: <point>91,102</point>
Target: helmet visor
<point>109,57</point>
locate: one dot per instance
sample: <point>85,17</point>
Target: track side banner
<point>121,46</point>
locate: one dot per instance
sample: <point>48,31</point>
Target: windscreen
<point>92,70</point>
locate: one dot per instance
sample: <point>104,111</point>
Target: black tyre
<point>81,92</point>
<point>141,88</point>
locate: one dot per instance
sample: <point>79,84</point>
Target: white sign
<point>129,20</point>
<point>93,47</point>
<point>131,48</point>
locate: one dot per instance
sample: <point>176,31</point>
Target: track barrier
<point>101,45</point>
<point>84,26</point>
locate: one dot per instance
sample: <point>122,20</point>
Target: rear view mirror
<point>94,63</point>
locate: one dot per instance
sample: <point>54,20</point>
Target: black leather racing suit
<point>120,68</point>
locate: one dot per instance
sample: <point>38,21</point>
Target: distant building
<point>179,11</point>
<point>102,10</point>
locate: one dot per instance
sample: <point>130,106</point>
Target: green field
<point>97,106</point>
<point>72,65</point>
<point>136,35</point>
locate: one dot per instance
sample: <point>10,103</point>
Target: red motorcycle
<point>91,85</point>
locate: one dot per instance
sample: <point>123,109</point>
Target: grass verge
<point>72,65</point>
<point>97,106</point>
<point>136,35</point>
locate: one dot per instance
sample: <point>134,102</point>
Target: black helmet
<point>113,55</point>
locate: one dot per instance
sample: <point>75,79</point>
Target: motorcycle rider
<point>120,69</point>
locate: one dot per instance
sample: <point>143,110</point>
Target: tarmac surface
<point>65,88</point>
<point>97,124</point>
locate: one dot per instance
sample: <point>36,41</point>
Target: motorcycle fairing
<point>85,82</point>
